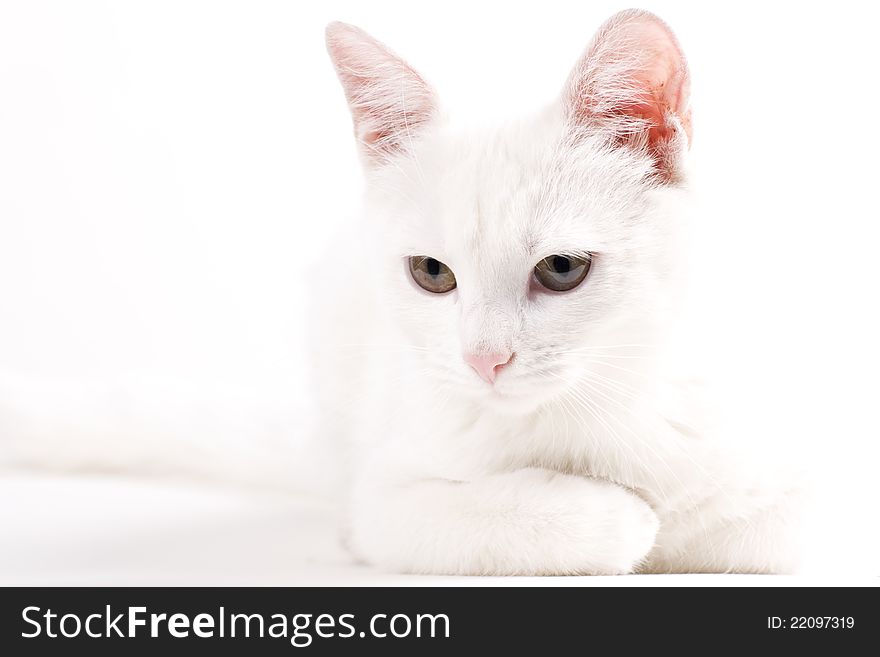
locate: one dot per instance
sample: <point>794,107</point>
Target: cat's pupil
<point>561,264</point>
<point>433,266</point>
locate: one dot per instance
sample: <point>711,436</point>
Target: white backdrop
<point>168,171</point>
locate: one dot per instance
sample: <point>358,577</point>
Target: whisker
<point>592,409</point>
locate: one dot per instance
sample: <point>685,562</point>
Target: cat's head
<point>519,260</point>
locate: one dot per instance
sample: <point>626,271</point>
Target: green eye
<point>431,274</point>
<point>562,273</point>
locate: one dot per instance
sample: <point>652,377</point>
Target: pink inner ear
<point>664,79</point>
<point>387,98</point>
<point>633,79</point>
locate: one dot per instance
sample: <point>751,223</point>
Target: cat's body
<point>571,451</point>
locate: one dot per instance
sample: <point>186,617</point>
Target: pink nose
<point>488,365</point>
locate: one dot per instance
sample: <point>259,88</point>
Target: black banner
<point>432,621</point>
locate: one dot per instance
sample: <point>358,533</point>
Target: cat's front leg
<point>752,531</point>
<point>527,522</point>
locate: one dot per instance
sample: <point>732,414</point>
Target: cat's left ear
<point>389,101</point>
<point>632,84</point>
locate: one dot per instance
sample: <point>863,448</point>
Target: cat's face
<point>519,260</point>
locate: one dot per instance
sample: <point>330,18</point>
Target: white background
<point>168,171</point>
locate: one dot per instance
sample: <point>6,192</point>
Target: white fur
<point>585,457</point>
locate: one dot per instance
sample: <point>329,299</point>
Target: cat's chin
<point>508,401</point>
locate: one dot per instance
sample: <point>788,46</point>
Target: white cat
<point>492,356</point>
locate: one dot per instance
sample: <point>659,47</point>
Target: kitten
<point>494,361</point>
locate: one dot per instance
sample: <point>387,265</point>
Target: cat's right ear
<point>389,101</point>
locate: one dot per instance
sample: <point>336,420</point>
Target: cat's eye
<point>431,274</point>
<point>562,273</point>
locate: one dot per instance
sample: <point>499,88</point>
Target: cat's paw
<point>527,522</point>
<point>637,534</point>
<point>614,530</point>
